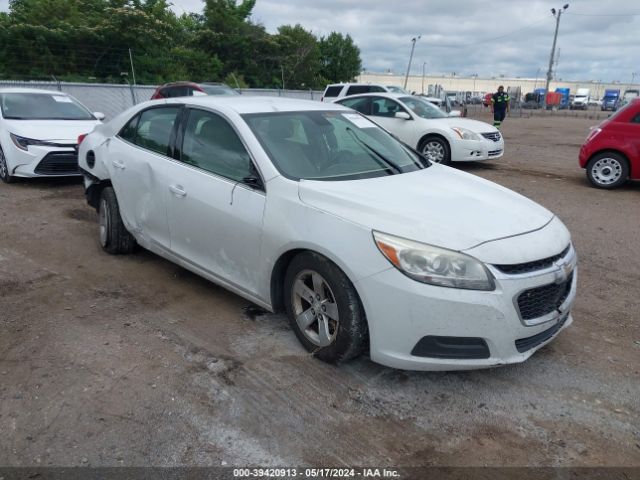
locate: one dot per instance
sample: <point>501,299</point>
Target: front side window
<point>211,144</point>
<point>330,145</point>
<point>42,106</point>
<point>423,108</point>
<point>154,129</point>
<point>362,105</point>
<point>384,107</point>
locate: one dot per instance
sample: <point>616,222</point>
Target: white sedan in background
<point>312,209</point>
<point>417,122</point>
<point>39,132</point>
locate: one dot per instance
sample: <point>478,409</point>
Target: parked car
<point>611,153</point>
<point>190,89</point>
<point>423,126</point>
<point>38,133</point>
<point>338,90</point>
<point>312,209</point>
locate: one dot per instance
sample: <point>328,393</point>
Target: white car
<point>440,137</point>
<point>340,90</point>
<point>39,132</point>
<point>312,209</point>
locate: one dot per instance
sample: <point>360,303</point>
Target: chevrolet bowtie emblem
<point>563,272</point>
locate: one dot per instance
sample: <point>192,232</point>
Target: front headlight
<point>434,265</point>
<point>23,143</point>
<point>466,134</point>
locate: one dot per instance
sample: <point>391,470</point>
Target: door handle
<point>117,164</point>
<point>177,190</point>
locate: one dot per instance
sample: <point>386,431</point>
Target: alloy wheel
<point>434,151</point>
<point>315,308</point>
<point>606,171</point>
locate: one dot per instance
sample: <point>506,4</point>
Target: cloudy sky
<point>598,40</point>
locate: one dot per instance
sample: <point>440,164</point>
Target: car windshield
<point>394,89</point>
<point>331,145</point>
<point>423,108</point>
<point>218,90</point>
<point>42,106</point>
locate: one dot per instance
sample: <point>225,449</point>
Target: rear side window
<point>333,91</point>
<point>128,132</point>
<point>154,129</point>
<point>362,105</point>
<point>356,89</point>
<point>636,119</point>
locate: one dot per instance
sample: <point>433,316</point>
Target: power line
<point>604,14</point>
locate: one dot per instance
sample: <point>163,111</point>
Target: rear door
<point>139,157</point>
<point>215,217</point>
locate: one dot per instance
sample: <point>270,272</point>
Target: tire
<point>607,170</point>
<point>346,335</point>
<point>4,169</point>
<point>114,237</point>
<point>436,149</point>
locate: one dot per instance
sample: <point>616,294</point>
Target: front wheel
<point>114,237</point>
<point>436,149</point>
<point>607,170</point>
<point>324,308</point>
<point>4,169</point>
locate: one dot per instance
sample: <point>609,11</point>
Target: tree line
<point>99,40</point>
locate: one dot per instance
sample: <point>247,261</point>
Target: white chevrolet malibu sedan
<point>312,209</point>
<point>422,125</point>
<point>39,131</point>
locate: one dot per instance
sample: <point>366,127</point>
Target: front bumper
<point>42,161</point>
<point>474,150</point>
<point>401,312</point>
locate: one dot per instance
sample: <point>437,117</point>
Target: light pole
<point>535,84</point>
<point>557,15</point>
<point>424,66</point>
<point>413,46</point>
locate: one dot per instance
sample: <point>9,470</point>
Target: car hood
<point>473,125</point>
<point>438,205</point>
<point>60,130</point>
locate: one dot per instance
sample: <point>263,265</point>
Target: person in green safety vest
<point>499,106</point>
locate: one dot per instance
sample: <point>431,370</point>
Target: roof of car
<point>181,83</point>
<point>30,90</point>
<point>377,94</point>
<point>242,104</point>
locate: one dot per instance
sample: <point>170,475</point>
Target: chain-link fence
<point>112,99</point>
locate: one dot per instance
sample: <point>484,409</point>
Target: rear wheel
<point>607,170</point>
<point>436,149</point>
<point>4,169</point>
<point>324,308</point>
<point>114,237</point>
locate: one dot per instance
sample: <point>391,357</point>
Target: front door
<point>384,111</point>
<point>215,219</point>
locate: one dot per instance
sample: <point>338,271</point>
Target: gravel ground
<point>112,361</point>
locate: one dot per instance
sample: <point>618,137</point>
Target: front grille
<point>527,267</point>
<point>539,301</point>
<point>495,136</point>
<point>524,344</point>
<point>493,153</point>
<point>58,163</point>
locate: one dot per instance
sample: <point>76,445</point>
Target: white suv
<point>339,90</point>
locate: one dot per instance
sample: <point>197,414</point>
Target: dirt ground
<point>131,360</point>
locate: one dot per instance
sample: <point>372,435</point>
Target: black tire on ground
<point>350,332</point>
<point>4,169</point>
<point>607,170</point>
<point>114,237</point>
<point>446,160</point>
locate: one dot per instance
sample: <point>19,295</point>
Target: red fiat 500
<point>611,153</point>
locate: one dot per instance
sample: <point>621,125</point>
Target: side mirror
<point>99,115</point>
<point>403,115</point>
<point>253,181</point>
<point>455,113</point>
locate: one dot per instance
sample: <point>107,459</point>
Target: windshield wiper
<point>385,160</point>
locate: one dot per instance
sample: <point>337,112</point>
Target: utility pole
<point>133,72</point>
<point>413,46</point>
<point>424,65</point>
<point>535,84</point>
<point>557,16</point>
